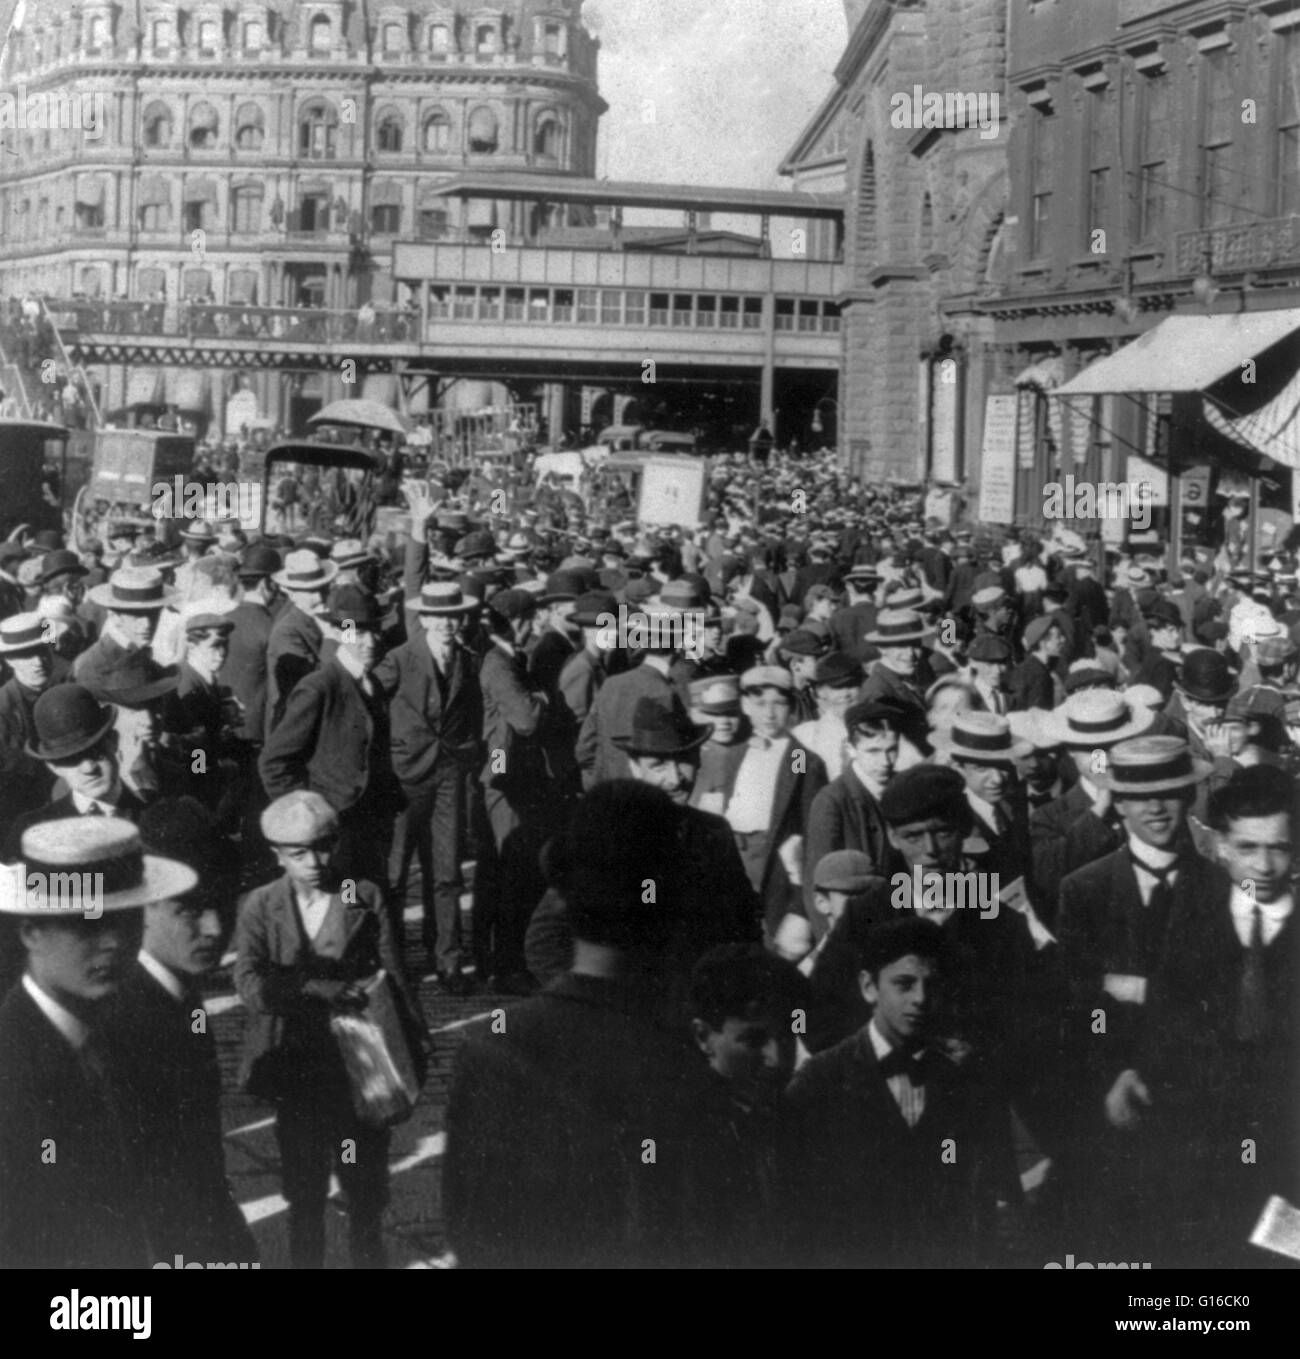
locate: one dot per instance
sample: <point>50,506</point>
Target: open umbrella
<point>360,413</point>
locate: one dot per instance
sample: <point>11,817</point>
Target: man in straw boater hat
<point>1114,927</point>
<point>305,945</point>
<point>133,598</point>
<point>436,718</point>
<point>25,648</point>
<point>901,675</point>
<point>718,903</point>
<point>297,642</point>
<point>1082,824</point>
<point>71,1192</point>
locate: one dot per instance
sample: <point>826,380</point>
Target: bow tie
<point>900,1063</point>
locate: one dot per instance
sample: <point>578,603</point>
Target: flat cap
<point>842,870</point>
<point>766,677</point>
<point>299,818</point>
<point>987,647</point>
<point>802,642</point>
<point>1038,628</point>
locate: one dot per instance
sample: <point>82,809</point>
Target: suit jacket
<point>611,715</point>
<point>791,808</point>
<point>580,681</point>
<point>883,683</point>
<point>196,711</point>
<point>293,650</point>
<point>867,1190</point>
<point>246,669</point>
<point>1064,836</point>
<point>1106,931</point>
<point>849,625</point>
<point>844,815</point>
<point>513,711</point>
<point>289,1052</point>
<point>547,1122</point>
<point>433,724</point>
<point>83,1208</point>
<point>548,658</point>
<point>172,1111</point>
<point>334,742</point>
<point>1031,686</point>
<point>25,782</point>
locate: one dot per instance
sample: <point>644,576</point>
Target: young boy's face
<point>902,995</point>
<point>830,903</point>
<point>753,1054</point>
<point>307,866</point>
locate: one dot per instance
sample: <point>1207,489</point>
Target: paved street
<point>414,1219</point>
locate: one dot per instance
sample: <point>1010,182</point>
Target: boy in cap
<point>836,680</point>
<point>1032,683</point>
<point>171,1081</point>
<point>305,946</point>
<point>198,712</point>
<point>867,1183</point>
<point>83,1207</point>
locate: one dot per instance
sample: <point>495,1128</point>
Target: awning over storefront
<point>1273,430</point>
<point>1184,353</point>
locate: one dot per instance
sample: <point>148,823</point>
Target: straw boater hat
<point>899,627</point>
<point>24,632</point>
<point>443,597</point>
<point>1149,765</point>
<point>983,738</point>
<point>1093,719</point>
<point>200,532</point>
<point>304,570</point>
<point>105,847</point>
<point>133,589</point>
<point>349,552</point>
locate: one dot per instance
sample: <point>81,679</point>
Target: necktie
<point>900,1063</point>
<point>94,810</point>
<point>1252,1011</point>
<point>1152,922</point>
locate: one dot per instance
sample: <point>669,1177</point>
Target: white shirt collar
<point>106,804</point>
<point>1157,860</point>
<point>880,1045</point>
<point>352,666</point>
<point>64,1020</point>
<point>164,976</point>
<point>984,810</point>
<point>1273,914</point>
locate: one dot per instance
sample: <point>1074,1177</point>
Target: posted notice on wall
<point>672,492</point>
<point>998,461</point>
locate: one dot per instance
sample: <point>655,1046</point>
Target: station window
<point>539,304</point>
<point>683,304</point>
<point>439,302</point>
<point>784,313</point>
<point>634,309</point>
<point>658,309</point>
<point>830,316</point>
<point>588,306</point>
<point>752,315</point>
<point>489,304</point>
<point>729,313</point>
<point>611,308</point>
<point>807,315</point>
<point>562,311</point>
<point>706,310</point>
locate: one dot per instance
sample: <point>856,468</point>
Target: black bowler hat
<point>69,721</point>
<point>663,731</point>
<point>1205,675</point>
<point>60,563</point>
<point>260,560</point>
<point>351,604</point>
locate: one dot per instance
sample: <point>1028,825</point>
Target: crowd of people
<point>850,889</point>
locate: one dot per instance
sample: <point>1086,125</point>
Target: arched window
<point>250,127</point>
<point>485,40</point>
<point>546,137</point>
<point>203,127</point>
<point>437,133</point>
<point>157,125</point>
<point>483,131</point>
<point>317,129</point>
<point>322,37</point>
<point>439,40</point>
<point>389,132</point>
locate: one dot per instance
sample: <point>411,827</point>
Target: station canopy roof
<point>631,193</point>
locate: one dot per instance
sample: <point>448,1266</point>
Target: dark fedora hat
<point>591,607</point>
<point>259,561</point>
<point>1206,676</point>
<point>664,731</point>
<point>132,682</point>
<point>69,720</point>
<point>562,586</point>
<point>60,563</point>
<point>350,604</point>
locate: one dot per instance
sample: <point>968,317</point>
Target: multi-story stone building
<point>272,153</point>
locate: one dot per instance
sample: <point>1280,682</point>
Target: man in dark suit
<point>580,680</point>
<point>850,623</point>
<point>166,1053</point>
<point>556,640</point>
<point>254,618</point>
<point>304,949</point>
<point>25,782</point>
<point>72,1195</point>
<point>134,598</point>
<point>334,739</point>
<point>296,646</point>
<point>436,719</point>
<point>11,593</point>
<point>901,675</point>
<point>1231,1021</point>
<point>197,712</point>
<point>1114,927</point>
<point>1031,684</point>
<point>866,1178</point>
<point>768,786</point>
<point>571,1124</point>
<point>76,742</point>
<point>1081,826</point>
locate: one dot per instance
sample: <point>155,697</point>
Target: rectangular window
<point>562,310</point>
<point>439,303</point>
<point>611,308</point>
<point>1287,46</point>
<point>729,313</point>
<point>588,306</point>
<point>432,223</point>
<point>682,309</point>
<point>463,304</point>
<point>1042,168</point>
<point>830,316</point>
<point>706,311</point>
<point>752,314</point>
<point>386,218</point>
<point>634,309</point>
<point>156,217</point>
<point>1153,157</point>
<point>489,304</point>
<point>515,304</point>
<point>246,211</point>
<point>1220,111</point>
<point>539,304</point>
<point>785,313</point>
<point>1100,146</point>
<point>807,315</point>
<point>658,309</point>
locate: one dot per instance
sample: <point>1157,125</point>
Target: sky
<point>732,84</point>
